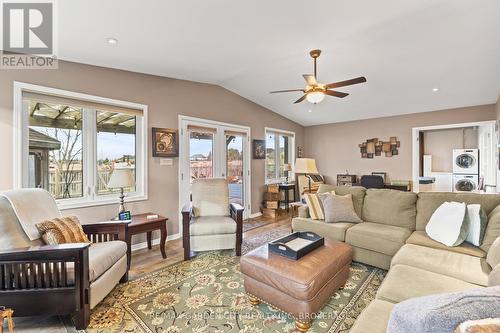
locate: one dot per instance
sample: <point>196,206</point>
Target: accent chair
<point>210,221</point>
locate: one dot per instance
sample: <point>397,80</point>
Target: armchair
<point>210,222</point>
<point>66,279</point>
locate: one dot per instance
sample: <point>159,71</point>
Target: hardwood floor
<point>145,261</point>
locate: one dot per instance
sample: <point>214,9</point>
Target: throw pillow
<point>489,325</point>
<point>62,230</point>
<point>339,208</point>
<point>315,206</point>
<point>444,312</point>
<point>477,220</point>
<point>447,224</point>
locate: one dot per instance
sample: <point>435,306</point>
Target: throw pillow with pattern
<point>62,230</point>
<point>315,205</point>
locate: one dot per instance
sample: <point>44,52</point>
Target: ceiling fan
<point>315,92</point>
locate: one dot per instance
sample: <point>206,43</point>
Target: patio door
<point>213,149</point>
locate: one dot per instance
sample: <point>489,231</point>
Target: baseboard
<point>252,216</point>
<point>156,241</point>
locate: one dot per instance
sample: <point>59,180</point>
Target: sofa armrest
<point>236,212</point>
<point>106,231</point>
<point>303,211</point>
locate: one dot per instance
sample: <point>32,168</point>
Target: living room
<point>152,164</point>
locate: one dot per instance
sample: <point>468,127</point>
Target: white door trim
<point>184,163</point>
<point>416,147</point>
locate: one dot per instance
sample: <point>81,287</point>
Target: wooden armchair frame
<point>34,280</point>
<point>236,212</point>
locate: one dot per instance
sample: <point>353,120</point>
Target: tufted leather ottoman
<point>299,287</point>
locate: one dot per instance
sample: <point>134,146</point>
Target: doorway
<point>213,149</point>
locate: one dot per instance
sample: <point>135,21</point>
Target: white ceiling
<point>404,48</point>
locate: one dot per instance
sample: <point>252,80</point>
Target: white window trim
<point>291,162</point>
<point>20,149</point>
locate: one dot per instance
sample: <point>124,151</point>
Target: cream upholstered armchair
<point>65,279</point>
<point>209,221</point>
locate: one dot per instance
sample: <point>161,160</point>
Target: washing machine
<point>465,183</point>
<point>466,161</point>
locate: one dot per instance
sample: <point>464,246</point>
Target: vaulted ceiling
<point>404,48</point>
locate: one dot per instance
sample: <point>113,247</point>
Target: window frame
<point>291,135</point>
<point>89,142</point>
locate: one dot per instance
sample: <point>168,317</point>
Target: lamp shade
<point>121,178</point>
<point>305,165</point>
<point>287,167</point>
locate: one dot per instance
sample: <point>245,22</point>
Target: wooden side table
<point>295,208</point>
<point>141,224</point>
<point>287,188</point>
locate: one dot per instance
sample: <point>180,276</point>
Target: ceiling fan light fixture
<point>315,97</point>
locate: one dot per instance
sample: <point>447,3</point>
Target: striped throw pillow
<point>315,205</point>
<point>62,230</point>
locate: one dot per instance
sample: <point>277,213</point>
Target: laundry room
<point>457,158</point>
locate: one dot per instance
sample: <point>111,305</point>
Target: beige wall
<point>440,144</point>
<point>335,146</point>
<point>166,98</point>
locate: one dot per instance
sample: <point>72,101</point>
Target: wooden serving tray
<point>296,245</point>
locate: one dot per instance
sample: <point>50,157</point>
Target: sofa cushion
<point>386,239</point>
<point>357,192</point>
<point>212,225</point>
<point>403,282</point>
<point>494,277</point>
<point>101,257</point>
<point>421,238</point>
<point>338,208</point>
<point>374,318</point>
<point>448,224</point>
<point>210,197</point>
<point>444,312</point>
<point>460,266</point>
<point>390,207</point>
<point>331,230</point>
<point>492,229</point>
<point>493,257</point>
<point>428,202</point>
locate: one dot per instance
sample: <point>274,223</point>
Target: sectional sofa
<point>392,236</point>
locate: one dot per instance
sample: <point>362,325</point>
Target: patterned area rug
<point>252,224</point>
<point>206,294</point>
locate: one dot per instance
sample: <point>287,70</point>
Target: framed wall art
<point>259,149</point>
<point>165,142</point>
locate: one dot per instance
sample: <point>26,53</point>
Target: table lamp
<point>121,178</point>
<point>287,168</point>
<point>306,166</point>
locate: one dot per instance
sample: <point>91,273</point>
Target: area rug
<point>206,294</point>
<point>253,224</point>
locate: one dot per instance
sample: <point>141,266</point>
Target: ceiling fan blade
<point>282,91</point>
<point>357,80</point>
<point>300,99</point>
<point>336,93</point>
<point>310,79</point>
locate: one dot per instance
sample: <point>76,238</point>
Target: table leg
<point>287,199</point>
<point>163,239</point>
<point>149,234</point>
<point>129,249</point>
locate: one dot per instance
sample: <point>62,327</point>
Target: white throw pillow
<point>477,219</point>
<point>447,224</point>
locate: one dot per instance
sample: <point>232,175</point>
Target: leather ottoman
<point>298,287</point>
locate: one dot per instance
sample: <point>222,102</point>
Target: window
<point>280,147</point>
<point>69,144</point>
